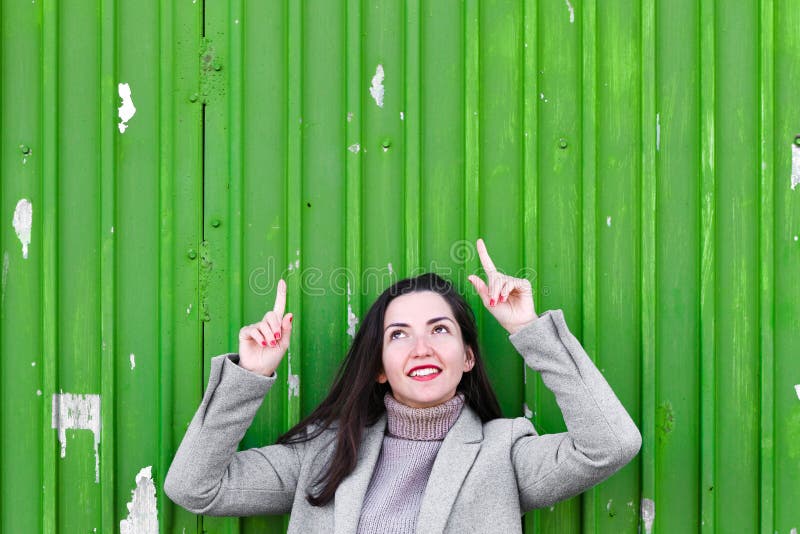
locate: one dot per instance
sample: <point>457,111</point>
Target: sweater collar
<point>421,424</point>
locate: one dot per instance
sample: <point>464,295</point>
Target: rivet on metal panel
<point>193,97</point>
<point>562,143</point>
<point>25,149</point>
<point>797,139</point>
<point>191,254</point>
<point>386,143</point>
<point>215,223</point>
<point>217,66</point>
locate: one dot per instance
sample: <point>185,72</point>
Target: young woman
<point>410,437</point>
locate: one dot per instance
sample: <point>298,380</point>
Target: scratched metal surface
<point>634,159</point>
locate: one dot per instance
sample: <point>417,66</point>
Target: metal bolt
<point>205,318</point>
<point>562,143</point>
<point>217,66</point>
<point>797,140</point>
<point>386,143</point>
<point>192,254</point>
<point>215,223</point>
<point>25,149</point>
<point>193,98</point>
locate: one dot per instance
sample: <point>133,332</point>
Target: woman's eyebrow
<point>430,321</point>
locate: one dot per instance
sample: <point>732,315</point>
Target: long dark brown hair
<point>355,400</point>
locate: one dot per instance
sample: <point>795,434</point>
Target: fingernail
<point>271,343</point>
<point>277,336</point>
<point>491,302</point>
<point>290,318</point>
<point>264,343</point>
<point>502,298</point>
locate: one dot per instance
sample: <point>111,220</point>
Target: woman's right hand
<point>263,344</point>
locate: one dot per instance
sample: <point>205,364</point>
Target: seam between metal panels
<point>108,178</point>
<point>49,135</point>
<point>766,309</point>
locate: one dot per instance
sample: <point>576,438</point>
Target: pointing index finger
<point>486,261</point>
<point>280,298</point>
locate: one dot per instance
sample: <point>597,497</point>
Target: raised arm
<point>600,437</point>
<point>208,475</point>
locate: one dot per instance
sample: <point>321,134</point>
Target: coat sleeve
<point>208,476</point>
<point>601,437</point>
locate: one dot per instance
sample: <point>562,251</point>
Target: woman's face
<point>423,353</point>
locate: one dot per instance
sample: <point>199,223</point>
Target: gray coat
<point>486,475</point>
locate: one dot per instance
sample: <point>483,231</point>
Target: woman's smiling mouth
<point>424,372</point>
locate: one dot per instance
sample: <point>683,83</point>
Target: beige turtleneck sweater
<point>412,440</point>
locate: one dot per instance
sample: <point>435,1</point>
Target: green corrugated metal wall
<point>632,158</point>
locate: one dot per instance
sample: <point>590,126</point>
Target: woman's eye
<point>394,334</point>
<point>442,327</point>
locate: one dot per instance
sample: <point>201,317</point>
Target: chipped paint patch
<point>189,309</point>
<point>797,390</point>
<point>127,110</point>
<point>22,221</point>
<point>354,148</point>
<point>33,364</point>
<point>541,95</point>
<point>142,511</point>
<point>377,89</point>
<point>608,221</point>
<point>648,511</point>
<point>527,411</point>
<point>389,266</point>
<point>571,12</point>
<point>294,380</point>
<point>352,320</point>
<point>349,116</point>
<point>133,361</point>
<point>39,392</point>
<point>402,116</point>
<point>795,166</point>
<point>793,531</point>
<point>5,278</point>
<point>77,412</point>
<point>658,132</point>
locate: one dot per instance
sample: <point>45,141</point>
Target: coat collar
<point>453,462</point>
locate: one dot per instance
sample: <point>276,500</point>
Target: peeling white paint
<point>526,410</point>
<point>39,392</point>
<point>658,132</point>
<point>133,361</point>
<point>795,165</point>
<point>33,364</point>
<point>142,511</point>
<point>349,116</point>
<point>236,21</point>
<point>5,278</point>
<point>112,229</point>
<point>354,148</point>
<point>294,380</point>
<point>389,266</point>
<point>377,89</point>
<point>402,116</point>
<point>795,238</point>
<point>797,390</point>
<point>126,110</point>
<point>608,505</point>
<point>793,531</point>
<point>77,412</point>
<point>22,221</point>
<point>189,309</point>
<point>608,221</point>
<point>296,264</point>
<point>352,320</point>
<point>648,511</point>
<point>541,95</point>
<point>571,12</point>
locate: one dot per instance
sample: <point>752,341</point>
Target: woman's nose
<point>421,347</point>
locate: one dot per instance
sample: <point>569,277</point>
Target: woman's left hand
<point>509,299</point>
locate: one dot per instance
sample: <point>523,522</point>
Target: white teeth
<point>424,372</point>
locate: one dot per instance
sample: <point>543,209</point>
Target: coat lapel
<point>351,491</point>
<point>453,462</point>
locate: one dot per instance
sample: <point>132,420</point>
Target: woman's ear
<point>382,377</point>
<point>469,363</point>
